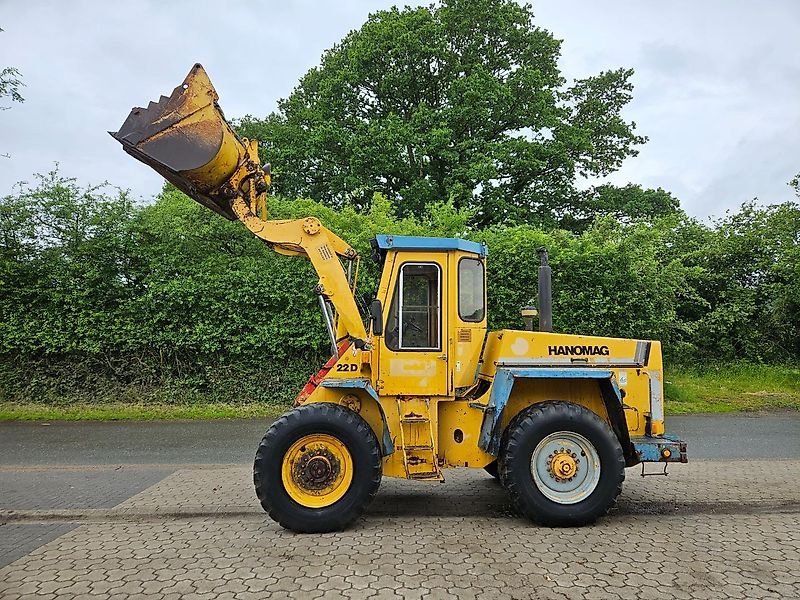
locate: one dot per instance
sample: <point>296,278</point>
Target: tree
<point>462,101</point>
<point>745,273</point>
<point>10,83</point>
<point>64,264</point>
<point>628,204</point>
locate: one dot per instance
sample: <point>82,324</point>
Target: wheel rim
<point>317,470</point>
<point>565,467</point>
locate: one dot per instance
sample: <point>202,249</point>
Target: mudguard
<point>491,432</point>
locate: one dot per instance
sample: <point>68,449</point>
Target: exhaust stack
<point>545,292</point>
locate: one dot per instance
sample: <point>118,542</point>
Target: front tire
<point>317,468</point>
<point>561,464</point>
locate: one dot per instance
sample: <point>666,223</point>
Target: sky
<point>717,83</point>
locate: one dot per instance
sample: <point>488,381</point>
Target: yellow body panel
<point>635,375</point>
<point>532,391</point>
<point>459,428</point>
<point>456,420</point>
<point>466,339</point>
<point>414,372</point>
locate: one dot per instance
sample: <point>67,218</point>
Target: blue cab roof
<point>414,242</point>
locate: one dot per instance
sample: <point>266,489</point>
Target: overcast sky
<point>717,82</point>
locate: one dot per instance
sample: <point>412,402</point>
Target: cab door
<point>413,353</point>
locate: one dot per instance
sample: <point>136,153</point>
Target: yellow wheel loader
<point>417,385</point>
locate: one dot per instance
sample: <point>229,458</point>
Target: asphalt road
<point>161,510</point>
<point>751,436</point>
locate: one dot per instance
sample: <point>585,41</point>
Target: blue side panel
<point>412,242</point>
<point>489,439</point>
<point>665,448</point>
<point>549,373</point>
<point>364,384</point>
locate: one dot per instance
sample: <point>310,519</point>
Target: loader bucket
<point>187,140</point>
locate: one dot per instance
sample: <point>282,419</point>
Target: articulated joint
<point>311,225</point>
<point>260,179</point>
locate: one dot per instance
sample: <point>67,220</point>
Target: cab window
<point>471,297</point>
<point>415,314</point>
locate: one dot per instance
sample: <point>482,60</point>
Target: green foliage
<point>628,204</point>
<point>10,84</point>
<point>66,266</point>
<point>105,301</point>
<point>460,101</point>
<point>451,120</point>
<point>608,281</point>
<point>750,284</point>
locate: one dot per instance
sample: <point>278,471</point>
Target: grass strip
<point>13,411</point>
<point>732,388</point>
<point>707,389</point>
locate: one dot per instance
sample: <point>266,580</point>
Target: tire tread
<point>296,418</point>
<point>514,437</point>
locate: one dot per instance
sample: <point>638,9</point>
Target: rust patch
<point>185,147</point>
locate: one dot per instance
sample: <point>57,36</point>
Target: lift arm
<point>186,138</point>
<point>308,237</point>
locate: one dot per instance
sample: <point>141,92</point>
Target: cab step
<point>416,440</point>
<point>412,418</point>
<point>426,475</point>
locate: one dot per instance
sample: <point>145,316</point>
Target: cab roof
<point>414,242</point>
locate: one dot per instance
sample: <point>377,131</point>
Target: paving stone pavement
<point>19,539</point>
<point>712,529</point>
<point>74,487</point>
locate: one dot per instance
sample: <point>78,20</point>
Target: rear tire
<point>317,468</point>
<point>561,464</point>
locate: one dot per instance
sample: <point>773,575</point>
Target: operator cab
<point>433,298</point>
